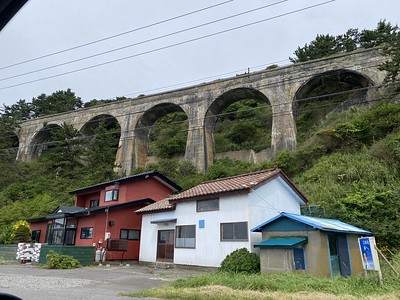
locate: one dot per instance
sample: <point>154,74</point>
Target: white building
<point>202,225</point>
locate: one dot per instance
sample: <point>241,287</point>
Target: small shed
<point>319,246</point>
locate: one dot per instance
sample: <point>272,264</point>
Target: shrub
<point>241,261</point>
<point>61,261</point>
<point>21,232</point>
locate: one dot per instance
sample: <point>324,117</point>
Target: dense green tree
<point>381,35</point>
<point>245,124</point>
<point>8,138</point>
<point>19,111</point>
<point>101,151</point>
<point>168,135</point>
<point>64,154</point>
<point>325,45</point>
<point>58,102</point>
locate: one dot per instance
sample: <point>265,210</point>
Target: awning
<point>282,242</point>
<point>163,221</point>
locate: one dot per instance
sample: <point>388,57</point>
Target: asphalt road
<point>97,282</point>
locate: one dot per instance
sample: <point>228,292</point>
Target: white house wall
<point>149,234</point>
<point>255,208</point>
<point>270,199</point>
<point>210,250</point>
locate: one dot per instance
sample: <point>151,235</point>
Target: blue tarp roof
<point>318,223</point>
<point>282,242</point>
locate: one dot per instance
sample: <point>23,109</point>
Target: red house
<point>104,215</point>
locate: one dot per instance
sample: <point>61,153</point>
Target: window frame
<point>234,238</point>
<point>181,229</point>
<point>36,236</point>
<point>86,236</point>
<point>94,203</point>
<point>299,265</point>
<point>199,209</point>
<point>128,231</point>
<point>114,195</point>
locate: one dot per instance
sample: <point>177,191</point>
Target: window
<point>207,205</point>
<point>129,234</point>
<point>298,259</point>
<point>234,231</point>
<point>185,236</point>
<point>48,233</point>
<point>111,195</point>
<point>87,232</point>
<point>70,234</point>
<point>35,236</point>
<point>94,203</point>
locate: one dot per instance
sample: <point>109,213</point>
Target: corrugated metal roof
<point>318,223</point>
<point>282,242</point>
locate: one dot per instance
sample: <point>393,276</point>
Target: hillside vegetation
<point>347,162</point>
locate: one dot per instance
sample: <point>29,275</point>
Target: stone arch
<point>217,106</point>
<point>329,91</point>
<point>143,129</point>
<point>108,120</point>
<point>42,140</point>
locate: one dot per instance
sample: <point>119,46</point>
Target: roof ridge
<point>240,175</point>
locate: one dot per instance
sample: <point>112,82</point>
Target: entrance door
<point>339,255</point>
<point>165,245</point>
<point>343,253</point>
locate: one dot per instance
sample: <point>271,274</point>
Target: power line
<point>169,46</point>
<point>266,85</point>
<point>141,42</point>
<point>116,35</point>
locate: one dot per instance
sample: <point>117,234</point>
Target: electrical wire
<point>142,42</point>
<point>47,143</point>
<point>170,45</point>
<point>116,35</point>
<point>269,84</point>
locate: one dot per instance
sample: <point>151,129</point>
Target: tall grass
<point>241,286</point>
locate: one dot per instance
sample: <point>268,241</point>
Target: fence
<point>8,252</point>
<point>84,254</point>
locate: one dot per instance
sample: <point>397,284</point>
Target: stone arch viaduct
<point>280,87</point>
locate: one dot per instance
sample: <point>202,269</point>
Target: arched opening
<point>240,119</point>
<point>101,135</point>
<point>161,133</point>
<point>42,140</point>
<point>109,122</point>
<point>330,91</point>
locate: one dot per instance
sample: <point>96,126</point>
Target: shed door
<point>343,253</point>
<point>165,245</point>
<point>339,254</point>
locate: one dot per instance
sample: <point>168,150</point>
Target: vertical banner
<point>369,253</point>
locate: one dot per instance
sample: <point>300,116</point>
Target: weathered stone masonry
<point>202,103</point>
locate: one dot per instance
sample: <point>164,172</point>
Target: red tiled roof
<point>218,186</point>
<point>159,205</point>
<point>229,184</point>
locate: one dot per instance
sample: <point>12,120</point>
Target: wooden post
<point>387,261</point>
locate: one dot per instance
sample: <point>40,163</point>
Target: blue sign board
<point>368,253</point>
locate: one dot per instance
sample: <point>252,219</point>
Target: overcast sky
<point>159,58</point>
